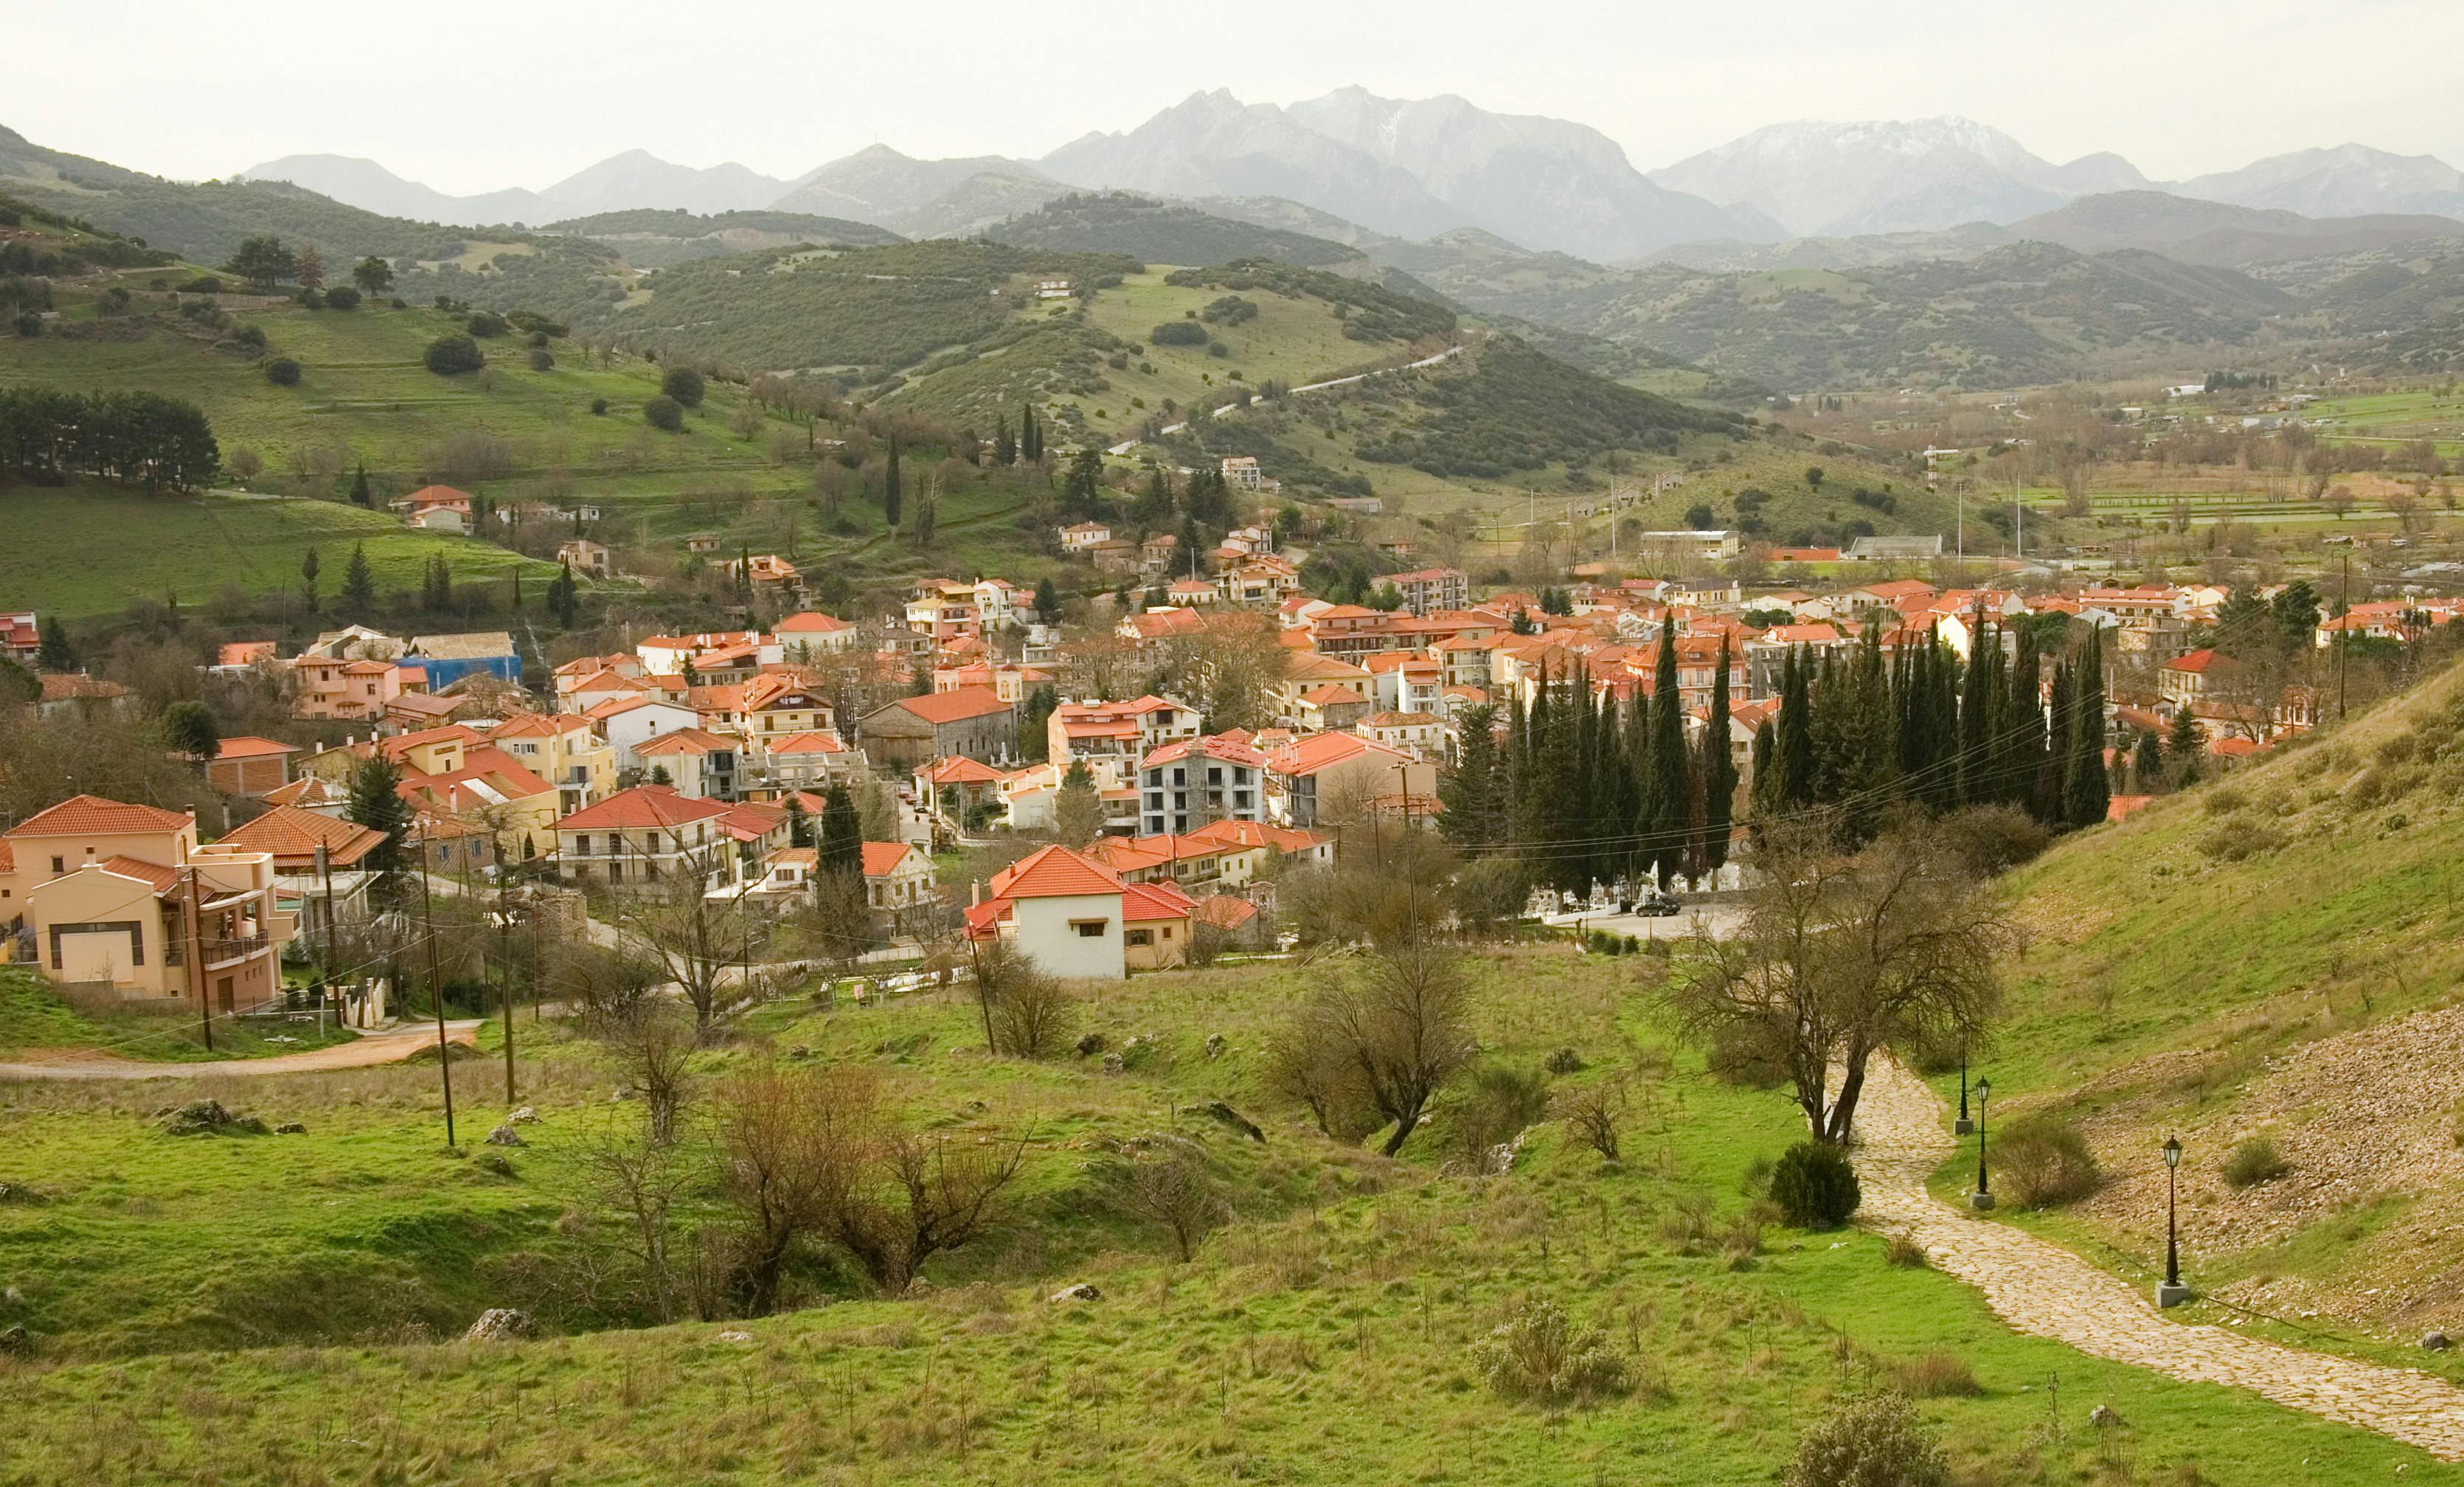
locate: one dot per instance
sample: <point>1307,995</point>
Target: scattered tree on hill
<point>361,496</point>
<point>892,486</point>
<point>189,728</point>
<point>1030,437</point>
<point>309,269</point>
<point>263,261</point>
<point>684,385</point>
<point>663,413</point>
<point>359,585</point>
<point>308,568</point>
<point>436,585</point>
<point>373,274</point>
<point>282,372</point>
<point>1047,600</point>
<point>53,652</point>
<point>1005,444</point>
<point>1082,488</point>
<point>2186,744</point>
<point>450,356</point>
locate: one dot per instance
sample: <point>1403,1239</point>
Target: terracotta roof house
<point>970,721</point>
<point>637,839</point>
<point>1061,908</point>
<point>290,835</point>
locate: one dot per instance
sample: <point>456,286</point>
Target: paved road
<point>390,1045</point>
<point>2041,1288</point>
<point>1716,920</point>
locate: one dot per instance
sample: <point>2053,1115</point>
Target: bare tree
<point>836,919</point>
<point>1843,956</point>
<point>695,939</point>
<point>1402,1025</point>
<point>791,1146</point>
<point>638,1178</point>
<point>1027,1011</point>
<point>1170,1186</point>
<point>1593,1112</point>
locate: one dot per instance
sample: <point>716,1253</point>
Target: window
<point>1139,937</point>
<point>1090,928</point>
<point>59,865</point>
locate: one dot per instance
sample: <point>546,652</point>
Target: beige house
<point>640,837</point>
<point>121,895</point>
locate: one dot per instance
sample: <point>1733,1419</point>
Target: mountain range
<point>1416,168</point>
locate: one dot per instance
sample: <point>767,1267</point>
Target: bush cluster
<point>1815,1186</point>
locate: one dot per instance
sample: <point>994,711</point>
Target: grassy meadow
<point>1323,1333</point>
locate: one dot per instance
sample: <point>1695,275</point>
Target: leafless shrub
<point>1593,1112</point>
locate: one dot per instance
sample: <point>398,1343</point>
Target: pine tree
<point>1719,773</point>
<point>563,598</point>
<point>1665,787</point>
<point>360,495</point>
<point>2185,745</point>
<point>2148,763</point>
<point>308,565</point>
<point>359,585</point>
<point>800,824</point>
<point>52,649</point>
<point>1047,600</point>
<point>842,840</point>
<point>1081,491</point>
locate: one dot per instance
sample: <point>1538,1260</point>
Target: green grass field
<point>1322,1336</point>
<point>31,1018</point>
<point>91,550</point>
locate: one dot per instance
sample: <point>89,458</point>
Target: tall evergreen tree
<point>52,649</point>
<point>1794,750</point>
<point>842,840</point>
<point>361,496</point>
<point>893,486</point>
<point>800,824</point>
<point>2020,758</point>
<point>2087,789</point>
<point>376,803</point>
<point>1764,786</point>
<point>1562,792</point>
<point>1667,789</point>
<point>1980,705</point>
<point>308,567</point>
<point>1719,773</point>
<point>1030,435</point>
<point>1474,814</point>
<point>2045,799</point>
<point>359,585</point>
<point>1005,444</point>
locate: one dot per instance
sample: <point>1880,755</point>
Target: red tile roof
<point>812,740</point>
<point>1145,902</point>
<point>685,741</point>
<point>1054,873</point>
<point>92,815</point>
<point>246,747</point>
<point>958,769</point>
<point>883,858</point>
<point>645,806</point>
<point>293,833</point>
<point>954,706</point>
<point>162,878</point>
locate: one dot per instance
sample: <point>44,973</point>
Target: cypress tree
<point>1765,789</point>
<point>2021,754</point>
<point>1030,435</point>
<point>360,495</point>
<point>1470,790</point>
<point>1979,703</point>
<point>1665,789</point>
<point>2148,763</point>
<point>1719,773</point>
<point>2045,798</point>
<point>841,849</point>
<point>1613,794</point>
<point>52,649</point>
<point>1794,749</point>
<point>2087,792</point>
<point>1563,791</point>
<point>359,585</point>
<point>1004,445</point>
<point>891,486</point>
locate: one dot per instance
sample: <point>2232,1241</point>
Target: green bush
<point>1178,333</point>
<point>342,297</point>
<point>251,337</point>
<point>1873,1442</point>
<point>1540,1354</point>
<point>2256,1161</point>
<point>663,413</point>
<point>282,372</point>
<point>485,322</point>
<point>450,356</point>
<point>541,359</point>
<point>2044,1161</point>
<point>684,385</point>
<point>599,407</point>
<point>1815,1186</point>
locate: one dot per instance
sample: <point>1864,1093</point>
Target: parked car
<point>1658,905</point>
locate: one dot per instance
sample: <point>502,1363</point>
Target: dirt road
<point>389,1046</point>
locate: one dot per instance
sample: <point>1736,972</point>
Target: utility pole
<point>325,872</point>
<point>505,962</point>
<point>2344,606</point>
<point>197,960</point>
<point>436,990</point>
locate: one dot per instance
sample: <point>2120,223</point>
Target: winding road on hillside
<point>2041,1288</point>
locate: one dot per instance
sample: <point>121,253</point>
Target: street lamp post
<point>2170,1291</point>
<point>1982,1199</point>
<point>1963,1126</point>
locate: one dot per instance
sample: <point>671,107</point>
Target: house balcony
<point>227,952</point>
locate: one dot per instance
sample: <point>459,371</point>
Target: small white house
<point>1062,909</point>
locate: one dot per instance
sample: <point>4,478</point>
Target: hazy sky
<point>475,97</point>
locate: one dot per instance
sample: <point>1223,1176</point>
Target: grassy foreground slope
<point>1324,1335</point>
<point>2273,954</point>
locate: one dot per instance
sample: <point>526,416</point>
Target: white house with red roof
<point>1061,908</point>
<point>809,634</point>
<point>694,761</point>
<point>1190,782</point>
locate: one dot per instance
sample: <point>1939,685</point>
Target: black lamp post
<point>2172,1292</point>
<point>1982,1198</point>
<point>1963,1126</point>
